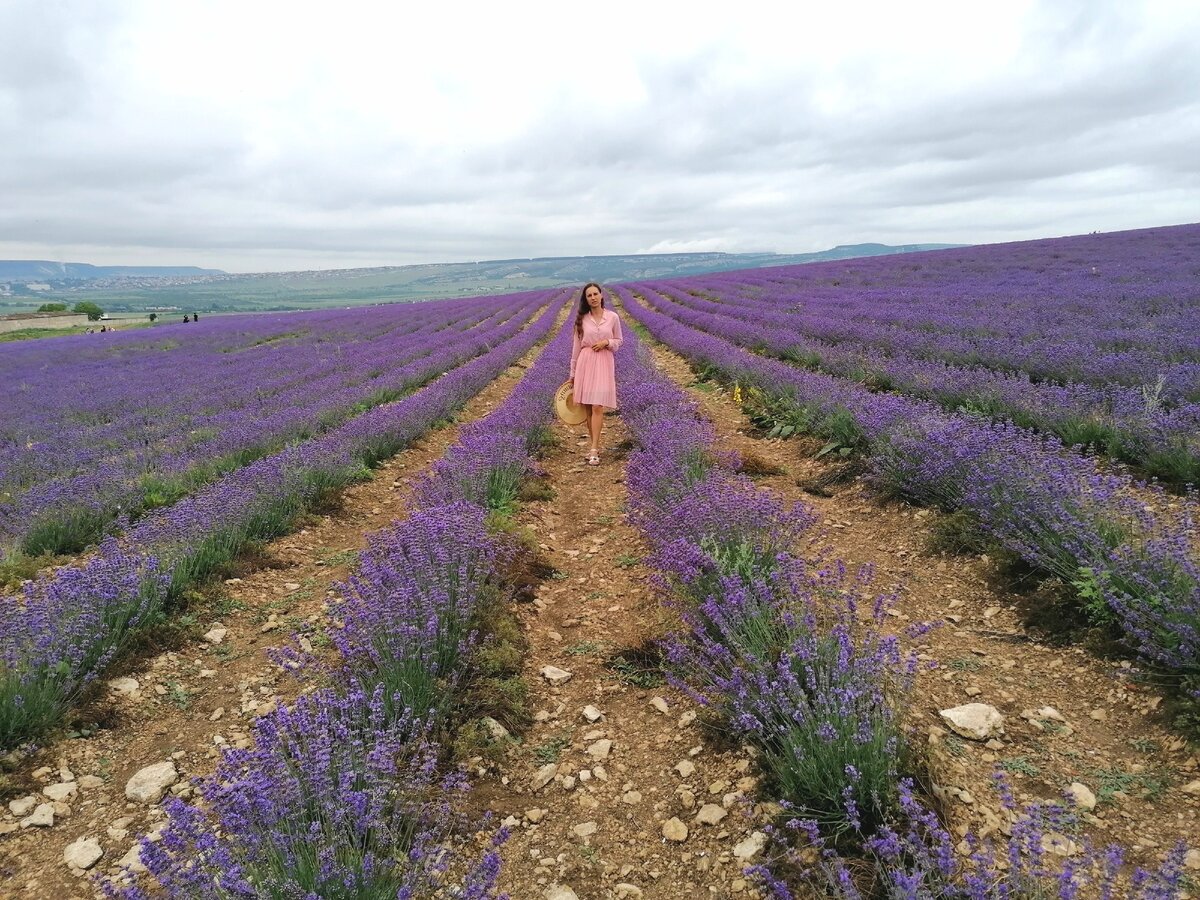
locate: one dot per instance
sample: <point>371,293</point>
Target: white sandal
<point>594,458</point>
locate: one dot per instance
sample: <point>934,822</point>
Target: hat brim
<point>568,411</point>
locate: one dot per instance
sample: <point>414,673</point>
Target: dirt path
<point>1102,730</point>
<point>181,704</point>
<point>612,755</point>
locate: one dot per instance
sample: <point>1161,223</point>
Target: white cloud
<point>267,134</point>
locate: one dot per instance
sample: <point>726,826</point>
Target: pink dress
<point>593,370</point>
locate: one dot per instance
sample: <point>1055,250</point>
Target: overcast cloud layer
<point>257,136</point>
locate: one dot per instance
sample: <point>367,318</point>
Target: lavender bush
<point>338,799</point>
<point>915,857</point>
<point>64,631</point>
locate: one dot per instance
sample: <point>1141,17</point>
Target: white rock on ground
<point>23,806</point>
<point>83,853</point>
<point>674,830</point>
<point>495,729</point>
<point>975,721</point>
<point>561,892</point>
<point>749,848</point>
<point>150,783</point>
<point>124,685</point>
<point>542,776</point>
<point>710,814</point>
<point>555,675</point>
<point>1083,796</point>
<point>42,817</point>
<point>600,749</point>
<point>592,714</point>
<point>60,791</point>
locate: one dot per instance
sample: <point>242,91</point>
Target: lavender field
<point>1043,398</point>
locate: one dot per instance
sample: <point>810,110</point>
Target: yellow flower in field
<point>737,393</point>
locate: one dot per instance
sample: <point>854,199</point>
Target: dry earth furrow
<point>186,701</point>
<point>608,762</point>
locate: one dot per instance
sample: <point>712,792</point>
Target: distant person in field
<point>593,374</point>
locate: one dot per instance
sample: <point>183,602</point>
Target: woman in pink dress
<point>593,375</point>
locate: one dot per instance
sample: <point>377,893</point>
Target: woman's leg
<point>595,424</point>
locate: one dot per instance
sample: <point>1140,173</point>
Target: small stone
<point>592,714</point>
<point>555,675</point>
<point>685,768</point>
<point>91,781</point>
<point>535,815</point>
<point>1098,714</point>
<point>216,714</point>
<point>8,828</point>
<point>674,830</point>
<point>568,783</point>
<point>1192,859</point>
<point>749,848</point>
<point>215,635</point>
<point>291,586</point>
<point>1049,712</point>
<point>133,860</point>
<point>710,814</point>
<point>626,890</point>
<point>600,772</point>
<point>561,892</point>
<point>124,685</point>
<point>511,822</point>
<point>42,817</point>
<point>994,744</point>
<point>60,791</point>
<point>1192,788</point>
<point>600,749</point>
<point>687,718</point>
<point>585,829</point>
<point>23,806</point>
<point>1059,844</point>
<point>1082,795</point>
<point>687,798</point>
<point>543,776</point>
<point>497,731</point>
<point>83,853</point>
<point>975,721</point>
<point>631,797</point>
<point>150,783</point>
<point>660,704</point>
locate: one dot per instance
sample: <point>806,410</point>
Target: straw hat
<point>568,411</point>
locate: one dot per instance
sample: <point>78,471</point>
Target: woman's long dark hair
<point>584,309</point>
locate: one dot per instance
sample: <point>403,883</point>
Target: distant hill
<point>41,269</point>
<point>144,288</point>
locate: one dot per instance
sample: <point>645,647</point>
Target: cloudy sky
<point>254,136</point>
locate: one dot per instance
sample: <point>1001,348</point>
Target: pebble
<point>1082,795</point>
<point>1192,859</point>
<point>215,635</point>
<point>660,704</point>
<point>150,783</point>
<point>23,806</point>
<point>91,781</point>
<point>60,791</point>
<point>592,714</point>
<point>83,853</point>
<point>600,749</point>
<point>674,830</point>
<point>543,776</point>
<point>585,829</point>
<point>124,685</point>
<point>535,815</point>
<point>561,892</point>
<point>685,768</point>
<point>42,817</point>
<point>1098,714</point>
<point>631,797</point>
<point>555,675</point>
<point>1192,788</point>
<point>710,814</point>
<point>497,731</point>
<point>750,847</point>
<point>975,721</point>
<point>625,890</point>
<point>291,586</point>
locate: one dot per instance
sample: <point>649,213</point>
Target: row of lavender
<point>1095,308</point>
<point>148,458</point>
<point>794,659</point>
<point>70,624</point>
<point>1129,550</point>
<point>1133,424</point>
<point>341,796</point>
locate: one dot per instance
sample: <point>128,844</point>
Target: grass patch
<point>550,750</point>
<point>1147,785</point>
<point>638,666</point>
<point>1021,765</point>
